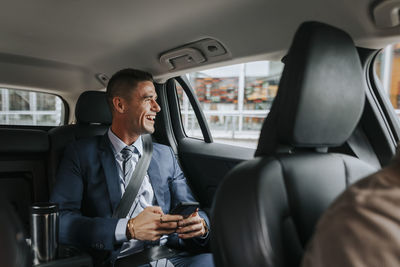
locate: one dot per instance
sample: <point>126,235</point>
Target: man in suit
<point>94,173</point>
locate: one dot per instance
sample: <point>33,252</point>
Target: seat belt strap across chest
<point>136,180</point>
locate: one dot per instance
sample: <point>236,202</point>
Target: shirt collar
<point>118,144</point>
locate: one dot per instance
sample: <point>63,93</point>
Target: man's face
<point>142,109</point>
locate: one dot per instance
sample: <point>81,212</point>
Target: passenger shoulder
<point>160,147</point>
<point>162,150</point>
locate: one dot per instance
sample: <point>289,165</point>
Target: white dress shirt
<point>145,196</point>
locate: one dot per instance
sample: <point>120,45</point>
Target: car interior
<point>294,177</point>
<point>332,122</point>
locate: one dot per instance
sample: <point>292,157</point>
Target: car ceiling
<point>60,46</point>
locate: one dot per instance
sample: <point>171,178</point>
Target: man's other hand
<point>151,224</point>
<point>192,226</point>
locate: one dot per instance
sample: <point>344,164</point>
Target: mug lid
<point>44,208</point>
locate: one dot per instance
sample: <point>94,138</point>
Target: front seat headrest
<point>321,93</point>
<point>92,107</point>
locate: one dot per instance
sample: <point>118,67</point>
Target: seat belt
<point>362,148</point>
<point>136,180</point>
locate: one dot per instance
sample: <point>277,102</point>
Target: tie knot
<point>126,152</point>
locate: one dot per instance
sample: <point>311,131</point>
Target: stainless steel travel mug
<point>44,232</point>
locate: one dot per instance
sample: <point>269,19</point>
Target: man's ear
<point>119,104</point>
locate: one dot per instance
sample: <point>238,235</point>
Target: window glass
<point>261,84</point>
<point>20,107</point>
<point>387,69</point>
<point>235,100</point>
<point>18,100</point>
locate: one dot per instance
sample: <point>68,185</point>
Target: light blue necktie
<point>127,153</point>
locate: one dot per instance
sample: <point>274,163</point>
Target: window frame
<point>201,119</point>
<point>386,107</point>
<point>378,120</point>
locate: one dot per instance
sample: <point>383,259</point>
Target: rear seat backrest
<point>23,177</point>
<point>23,153</point>
<point>93,117</point>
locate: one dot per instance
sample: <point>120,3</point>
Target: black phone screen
<point>185,208</point>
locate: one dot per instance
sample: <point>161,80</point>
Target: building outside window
<point>235,100</point>
<point>21,107</point>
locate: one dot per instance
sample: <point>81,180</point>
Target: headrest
<point>321,93</point>
<point>92,107</point>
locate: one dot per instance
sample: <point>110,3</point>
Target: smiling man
<point>95,172</point>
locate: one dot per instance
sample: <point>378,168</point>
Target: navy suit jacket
<point>87,191</point>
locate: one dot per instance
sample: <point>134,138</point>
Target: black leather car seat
<point>23,179</point>
<point>14,251</point>
<point>266,209</point>
<point>93,117</point>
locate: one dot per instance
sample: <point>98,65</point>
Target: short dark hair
<point>123,82</point>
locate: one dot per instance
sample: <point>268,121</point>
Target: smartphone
<point>185,208</point>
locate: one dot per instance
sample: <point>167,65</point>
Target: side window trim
<point>376,120</point>
<point>385,107</point>
<point>164,133</point>
<point>187,88</point>
<point>174,110</point>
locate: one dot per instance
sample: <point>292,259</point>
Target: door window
<point>387,69</point>
<point>235,100</point>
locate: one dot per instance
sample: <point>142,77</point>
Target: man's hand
<point>192,226</point>
<point>151,224</point>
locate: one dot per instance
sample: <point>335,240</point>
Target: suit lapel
<point>112,177</point>
<point>110,171</point>
<point>157,183</point>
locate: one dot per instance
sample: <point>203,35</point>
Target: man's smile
<point>151,117</point>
